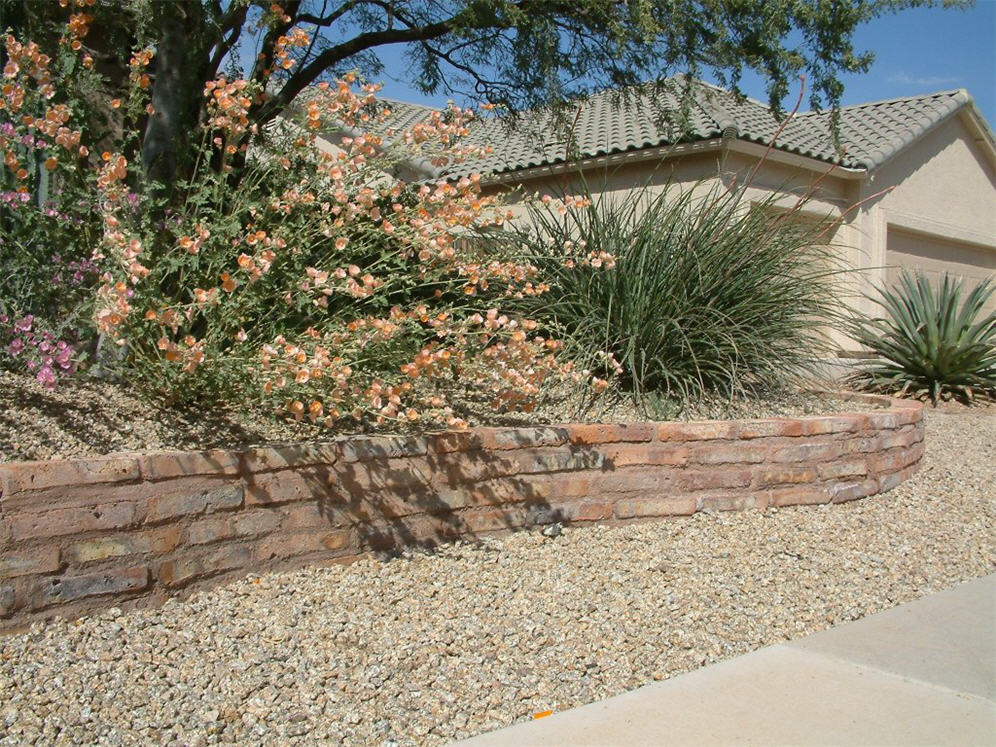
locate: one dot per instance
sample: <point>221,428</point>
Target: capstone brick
<point>21,476</point>
<point>603,433</point>
<point>670,454</point>
<point>521,438</point>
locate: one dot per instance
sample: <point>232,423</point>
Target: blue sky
<point>916,51</point>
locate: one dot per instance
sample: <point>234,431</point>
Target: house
<point>914,180</point>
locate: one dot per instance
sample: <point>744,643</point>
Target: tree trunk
<point>177,98</point>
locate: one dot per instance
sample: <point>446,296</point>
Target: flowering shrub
<point>39,351</point>
<point>47,219</point>
<point>291,267</point>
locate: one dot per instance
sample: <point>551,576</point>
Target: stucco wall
<point>943,187</point>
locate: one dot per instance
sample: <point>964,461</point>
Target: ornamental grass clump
<point>707,294</point>
<point>930,344</point>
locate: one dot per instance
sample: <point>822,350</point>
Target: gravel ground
<point>90,418</point>
<point>431,647</point>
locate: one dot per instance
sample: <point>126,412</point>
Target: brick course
<point>132,530</point>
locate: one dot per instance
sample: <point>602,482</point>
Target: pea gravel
<point>428,648</point>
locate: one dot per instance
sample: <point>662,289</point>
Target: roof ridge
<point>961,94</point>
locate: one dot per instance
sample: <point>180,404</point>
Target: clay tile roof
<point>632,119</point>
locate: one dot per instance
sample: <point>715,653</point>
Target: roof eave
<point>637,155</point>
<point>788,158</point>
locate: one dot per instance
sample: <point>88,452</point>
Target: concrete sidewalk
<point>921,673</point>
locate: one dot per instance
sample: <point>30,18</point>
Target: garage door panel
<point>934,256</point>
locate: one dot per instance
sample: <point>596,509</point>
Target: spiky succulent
<point>930,344</point>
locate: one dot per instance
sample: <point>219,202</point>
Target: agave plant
<point>930,344</point>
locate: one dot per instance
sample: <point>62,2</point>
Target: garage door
<point>934,256</point>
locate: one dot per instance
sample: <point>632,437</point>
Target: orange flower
<point>227,282</point>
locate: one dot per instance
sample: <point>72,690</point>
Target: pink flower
<point>46,377</point>
<point>16,346</point>
<point>24,324</point>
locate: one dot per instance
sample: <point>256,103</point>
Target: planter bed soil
<point>94,418</point>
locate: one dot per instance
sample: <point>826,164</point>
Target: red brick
<point>914,454</point>
<point>206,500</point>
<point>888,482</point>
<point>459,468</point>
<point>68,588</point>
<point>797,496</point>
<point>706,430</point>
<point>647,454</point>
<point>393,504</point>
<point>908,414</point>
<point>544,487</point>
<point>8,600</point>
<point>497,519</point>
<point>645,480</point>
<point>570,512</point>
<point>209,530</point>
<point>850,491</point>
<point>815,451</point>
<point>589,510</point>
<point>180,571</point>
<point>27,562</point>
<point>770,428</point>
<point>294,456</point>
<point>861,445</point>
<point>286,545</point>
<point>567,459</point>
<point>888,461</point>
<point>520,438</point>
<point>663,506</point>
<point>72,520</point>
<point>883,420</point>
<point>769,476</point>
<point>363,448</point>
<point>256,522</point>
<point>403,472</point>
<point>602,433</point>
<point>156,541</point>
<point>38,475</point>
<point>730,453</point>
<point>714,478</point>
<point>165,465</point>
<point>738,501</point>
<point>287,486</point>
<point>904,437</point>
<point>845,468</point>
<point>824,425</point>
<point>308,516</point>
<point>450,441</point>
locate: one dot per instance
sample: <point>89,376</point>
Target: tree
<point>515,53</point>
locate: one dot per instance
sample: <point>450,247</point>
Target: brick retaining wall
<point>134,529</point>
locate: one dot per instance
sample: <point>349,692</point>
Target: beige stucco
<point>940,190</point>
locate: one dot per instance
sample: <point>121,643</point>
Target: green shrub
<point>930,344</point>
<point>708,294</point>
